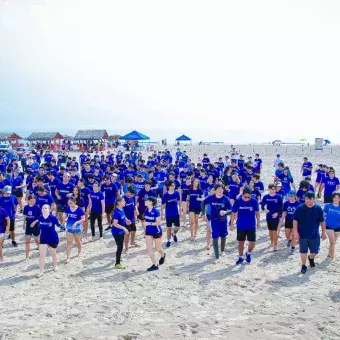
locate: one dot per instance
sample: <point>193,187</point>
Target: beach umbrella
<point>326,141</point>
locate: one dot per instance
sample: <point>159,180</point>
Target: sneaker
<point>311,262</point>
<point>275,248</point>
<point>119,266</point>
<point>240,260</point>
<point>168,244</point>
<point>303,269</point>
<point>14,244</point>
<point>248,257</point>
<point>107,228</point>
<point>292,251</point>
<point>152,268</point>
<point>162,259</point>
<point>289,243</point>
<point>175,238</point>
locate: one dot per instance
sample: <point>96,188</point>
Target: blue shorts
<point>74,231</point>
<point>219,228</point>
<point>313,244</point>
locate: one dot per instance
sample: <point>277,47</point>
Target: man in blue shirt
<point>307,219</point>
<point>306,167</point>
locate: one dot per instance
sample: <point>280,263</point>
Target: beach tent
<point>183,138</point>
<point>10,137</point>
<point>135,136</point>
<point>326,141</point>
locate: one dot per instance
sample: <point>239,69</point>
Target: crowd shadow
<point>123,276</point>
<point>13,280</point>
<point>191,268</point>
<point>221,274</point>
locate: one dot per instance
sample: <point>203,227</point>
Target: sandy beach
<point>189,297</point>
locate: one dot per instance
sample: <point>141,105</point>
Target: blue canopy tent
<point>183,138</point>
<point>135,136</point>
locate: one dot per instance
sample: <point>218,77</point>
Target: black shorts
<point>159,235</point>
<point>336,230</point>
<point>196,212</point>
<point>109,208</point>
<point>272,225</point>
<point>51,245</point>
<point>61,208</point>
<point>18,194</point>
<point>172,221</point>
<point>328,199</point>
<point>249,235</point>
<point>12,225</point>
<point>289,224</point>
<point>132,227</point>
<point>35,231</point>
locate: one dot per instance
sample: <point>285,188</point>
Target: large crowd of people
<point>56,193</point>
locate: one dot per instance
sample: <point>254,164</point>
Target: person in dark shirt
<point>307,219</point>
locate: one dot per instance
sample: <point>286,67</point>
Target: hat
<point>278,184</point>
<point>7,189</point>
<point>114,175</point>
<point>241,155</point>
<point>291,193</point>
<point>278,155</point>
<point>286,168</point>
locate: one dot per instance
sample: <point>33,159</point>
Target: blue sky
<point>223,70</point>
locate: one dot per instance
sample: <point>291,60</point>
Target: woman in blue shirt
<point>153,232</point>
<point>75,218</point>
<point>97,210</point>
<point>332,216</point>
<point>48,238</point>
<point>118,229</point>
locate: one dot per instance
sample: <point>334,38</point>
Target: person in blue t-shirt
<point>63,192</point>
<point>330,184</point>
<point>119,229</point>
<point>4,229</point>
<point>184,190</point>
<point>289,208</point>
<point>303,188</point>
<point>9,202</point>
<point>17,188</point>
<point>131,213</point>
<point>307,220</point>
<point>111,193</point>
<point>332,217</point>
<point>31,216</point>
<point>97,210</point>
<point>49,238</point>
<point>153,232</point>
<point>234,187</point>
<point>219,208</point>
<point>246,211</point>
<point>75,218</point>
<point>272,205</point>
<point>287,180</point>
<point>194,199</point>
<point>171,201</point>
<point>320,175</point>
<point>306,168</point>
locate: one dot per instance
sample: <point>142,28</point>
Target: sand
<point>188,298</point>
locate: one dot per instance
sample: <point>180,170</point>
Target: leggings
<point>215,245</point>
<point>93,217</point>
<point>120,242</point>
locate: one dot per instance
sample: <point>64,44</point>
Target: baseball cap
<point>278,184</point>
<point>7,189</point>
<point>291,193</point>
<point>114,175</point>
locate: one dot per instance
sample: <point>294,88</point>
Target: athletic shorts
<point>158,235</point>
<point>141,216</point>
<point>272,224</point>
<point>311,244</point>
<point>336,230</point>
<point>74,231</point>
<point>172,221</point>
<point>51,245</point>
<point>196,212</point>
<point>3,236</point>
<point>35,231</point>
<point>18,194</point>
<point>328,199</point>
<point>249,235</point>
<point>219,228</point>
<point>132,227</point>
<point>109,208</point>
<point>12,225</point>
<point>61,208</point>
<point>289,224</point>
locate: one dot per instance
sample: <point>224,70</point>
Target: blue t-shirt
<point>171,203</point>
<point>16,182</point>
<point>47,226</point>
<point>290,208</point>
<point>305,166</point>
<point>259,186</point>
<point>309,220</point>
<point>193,203</point>
<point>72,217</point>
<point>330,185</point>
<point>64,190</point>
<point>3,220</point>
<point>143,195</point>
<point>110,192</point>
<point>246,213</point>
<point>301,195</point>
<point>185,191</point>
<point>257,163</point>
<point>96,199</point>
<point>139,186</point>
<point>84,194</point>
<point>332,214</point>
<point>118,215</point>
<point>216,205</point>
<point>150,217</point>
<point>286,182</point>
<point>9,203</point>
<point>53,185</point>
<point>44,199</point>
<point>273,204</point>
<point>234,189</point>
<point>130,208</point>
